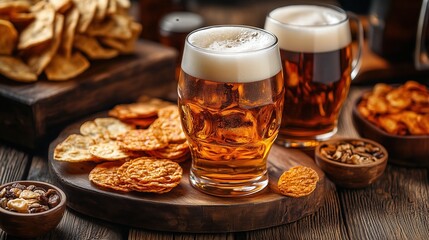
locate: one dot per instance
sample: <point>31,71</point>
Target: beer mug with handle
<point>230,96</point>
<point>316,51</point>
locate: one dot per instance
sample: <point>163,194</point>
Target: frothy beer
<point>230,97</point>
<point>315,48</point>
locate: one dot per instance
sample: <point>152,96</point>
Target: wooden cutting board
<point>186,209</point>
<point>29,112</point>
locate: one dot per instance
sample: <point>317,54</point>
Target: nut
<point>353,152</point>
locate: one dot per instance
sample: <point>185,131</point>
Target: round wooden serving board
<point>185,209</point>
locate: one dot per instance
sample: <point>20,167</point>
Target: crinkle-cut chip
<point>61,6</point>
<point>169,112</point>
<point>114,127</point>
<point>391,125</point>
<point>15,69</point>
<point>87,9</point>
<point>108,151</point>
<point>70,24</point>
<point>75,148</point>
<point>8,38</point>
<point>92,48</point>
<point>101,10</point>
<point>105,175</point>
<point>14,6</point>
<point>298,181</point>
<point>175,152</point>
<point>140,140</point>
<point>91,129</point>
<point>115,26</point>
<point>147,171</point>
<point>41,30</point>
<point>140,122</point>
<point>171,129</point>
<point>398,99</point>
<point>38,62</point>
<point>134,110</point>
<point>62,68</point>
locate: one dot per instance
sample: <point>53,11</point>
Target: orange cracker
<point>298,181</point>
<point>141,140</point>
<point>105,175</point>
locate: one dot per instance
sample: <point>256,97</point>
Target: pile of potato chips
<point>131,153</point>
<point>402,110</point>
<point>55,37</point>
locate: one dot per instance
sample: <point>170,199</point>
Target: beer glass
<point>230,96</point>
<point>318,66</point>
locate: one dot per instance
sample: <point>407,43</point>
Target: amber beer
<point>315,47</point>
<point>231,95</point>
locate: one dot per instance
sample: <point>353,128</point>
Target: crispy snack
<point>147,174</point>
<point>62,68</point>
<point>169,112</point>
<point>42,34</point>
<point>8,38</point>
<point>41,30</point>
<point>140,122</point>
<point>399,111</point>
<point>91,47</point>
<point>108,151</point>
<point>169,129</point>
<point>92,130</point>
<point>298,181</point>
<point>105,175</point>
<point>104,129</point>
<point>15,69</point>
<point>134,110</point>
<point>75,148</point>
<point>178,152</point>
<point>140,140</point>
<point>38,61</point>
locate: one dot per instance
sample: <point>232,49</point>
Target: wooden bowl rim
<point>46,186</point>
<point>379,130</point>
<point>367,165</point>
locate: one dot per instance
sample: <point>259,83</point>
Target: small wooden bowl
<point>31,225</point>
<point>350,175</point>
<point>403,150</point>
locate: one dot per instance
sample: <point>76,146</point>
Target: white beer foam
<point>231,54</point>
<point>309,28</point>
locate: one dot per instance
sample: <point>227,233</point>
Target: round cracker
<point>298,181</point>
<point>105,175</point>
<point>108,151</point>
<point>168,128</point>
<point>141,140</point>
<point>75,148</point>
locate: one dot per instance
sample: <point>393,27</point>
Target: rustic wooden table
<point>395,207</point>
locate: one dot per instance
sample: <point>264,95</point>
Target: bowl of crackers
<point>30,209</point>
<point>351,162</point>
<point>396,116</point>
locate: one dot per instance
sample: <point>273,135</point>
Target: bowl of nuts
<point>30,209</point>
<point>351,163</point>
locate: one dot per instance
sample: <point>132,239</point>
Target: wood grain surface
<point>186,209</point>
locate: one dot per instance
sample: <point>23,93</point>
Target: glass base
<point>239,189</point>
<point>304,142</point>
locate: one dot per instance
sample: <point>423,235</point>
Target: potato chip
<point>141,140</point>
<point>105,175</point>
<point>15,69</point>
<point>108,151</point>
<point>115,26</point>
<point>62,68</point>
<point>38,62</point>
<point>61,6</point>
<point>111,7</point>
<point>114,127</point>
<point>75,148</point>
<point>101,10</point>
<point>298,181</point>
<point>91,129</point>
<point>21,19</point>
<point>92,48</point>
<point>14,6</point>
<point>41,30</point>
<point>8,38</point>
<point>87,10</point>
<point>67,37</point>
<point>129,45</point>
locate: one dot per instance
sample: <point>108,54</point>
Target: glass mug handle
<point>421,58</point>
<point>356,63</point>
